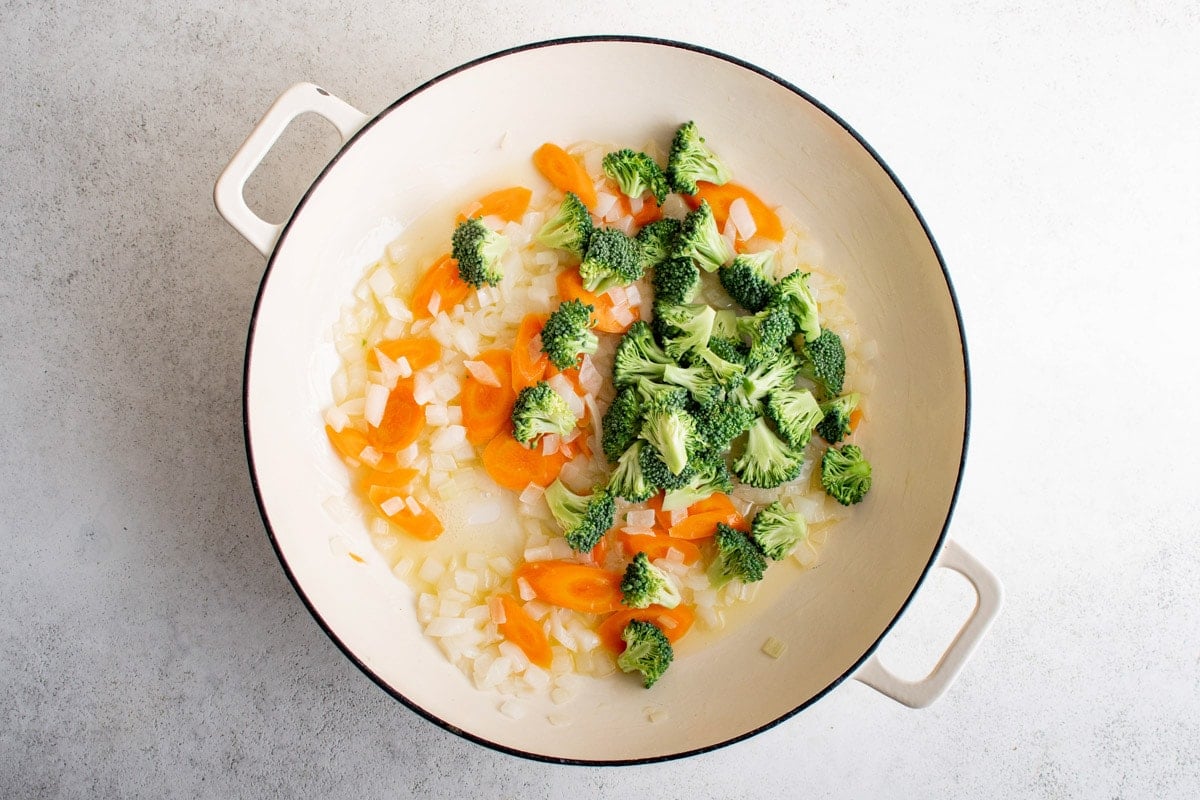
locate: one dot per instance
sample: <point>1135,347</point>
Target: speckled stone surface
<point>150,645</point>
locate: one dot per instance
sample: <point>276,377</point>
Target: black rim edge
<point>250,450</point>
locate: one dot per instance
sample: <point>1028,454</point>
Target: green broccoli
<point>567,334</point>
<point>725,325</point>
<point>701,240</point>
<point>722,421</point>
<point>647,650</point>
<point>639,361</point>
<point>764,377</point>
<point>656,471</point>
<point>737,557</point>
<point>767,461</point>
<point>792,293</point>
<point>691,160</point>
<point>584,518</point>
<point>845,474</point>
<point>627,480</point>
<point>747,279</point>
<point>777,531</point>
<point>686,330</point>
<point>636,173</point>
<point>768,332</point>
<point>611,259</point>
<point>795,413</point>
<point>622,422</point>
<point>823,361</point>
<point>478,250</point>
<point>657,241</point>
<point>835,422</point>
<point>727,348</point>
<point>671,429</point>
<point>676,280</point>
<point>646,585</point>
<point>708,475</point>
<point>540,410</point>
<point>570,227</point>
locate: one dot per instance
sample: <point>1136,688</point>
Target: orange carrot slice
<point>564,172</point>
<point>403,420</point>
<point>856,418</point>
<point>441,278</point>
<point>674,622</point>
<point>720,198</point>
<point>570,287</point>
<point>703,516</point>
<point>349,442</point>
<point>422,524</point>
<point>524,631</point>
<point>529,363</point>
<point>487,409</point>
<point>599,552</point>
<point>508,204</point>
<point>514,466</point>
<point>399,480</point>
<point>576,586</point>
<point>419,351</point>
<point>649,212</point>
<point>656,546</point>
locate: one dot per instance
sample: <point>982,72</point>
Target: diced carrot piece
<point>508,204</point>
<point>703,516</point>
<point>403,420</point>
<point>570,287</point>
<point>719,199</point>
<point>441,278</point>
<point>649,212</point>
<point>856,418</point>
<point>656,546</point>
<point>515,466</point>
<point>423,524</point>
<point>529,363</point>
<point>717,501</point>
<point>523,631</point>
<point>564,172</point>
<point>400,479</point>
<point>576,586</point>
<point>600,551</point>
<point>487,409</point>
<point>674,622</point>
<point>419,351</point>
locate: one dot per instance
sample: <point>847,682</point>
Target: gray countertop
<point>151,645</point>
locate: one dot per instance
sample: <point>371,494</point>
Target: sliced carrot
<point>422,524</point>
<point>719,199</point>
<point>350,442</point>
<point>674,622</point>
<point>529,363</point>
<point>564,172</point>
<point>441,278</point>
<point>662,518</point>
<point>856,418</point>
<point>487,409</point>
<point>418,351</point>
<point>656,546</point>
<point>523,631</point>
<point>570,287</point>
<point>403,420</point>
<point>507,204</point>
<point>600,551</point>
<point>717,501</point>
<point>400,479</point>
<point>703,516</point>
<point>649,212</point>
<point>515,466</point>
<point>576,586</point>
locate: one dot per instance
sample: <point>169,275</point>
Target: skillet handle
<point>297,100</point>
<point>989,596</point>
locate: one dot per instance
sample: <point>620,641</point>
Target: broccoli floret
<point>701,241</point>
<point>611,259</point>
<point>777,531</point>
<point>845,474</point>
<point>671,429</point>
<point>570,228</point>
<point>646,585</point>
<point>722,421</point>
<point>737,557</point>
<point>584,518</point>
<point>478,250</point>
<point>768,332</point>
<point>793,294</point>
<point>728,349</point>
<point>540,410</point>
<point>708,475</point>
<point>628,481</point>
<point>657,241</point>
<point>636,173</point>
<point>835,421</point>
<point>725,325</point>
<point>622,422</point>
<point>686,330</point>
<point>698,379</point>
<point>767,461</point>
<point>795,413</point>
<point>691,160</point>
<point>676,280</point>
<point>747,279</point>
<point>567,334</point>
<point>639,361</point>
<point>647,650</point>
<point>765,377</point>
<point>656,471</point>
<point>823,361</point>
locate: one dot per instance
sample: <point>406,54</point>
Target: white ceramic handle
<point>227,195</point>
<point>989,596</point>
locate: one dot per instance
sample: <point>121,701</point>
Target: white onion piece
<point>382,283</point>
<point>564,389</point>
<point>481,372</point>
<point>448,626</point>
<point>370,456</point>
<point>414,506</point>
<point>435,304</point>
<point>436,416</point>
<point>633,294</point>
<point>640,520</point>
<point>531,494</point>
<point>377,397</point>
<point>589,377</point>
<point>604,204</point>
<point>742,219</point>
<point>622,315</point>
<point>496,610</point>
<point>336,418</point>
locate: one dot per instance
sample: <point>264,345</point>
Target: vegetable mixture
<point>635,356</point>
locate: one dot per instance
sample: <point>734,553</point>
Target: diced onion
<point>370,456</point>
<point>640,520</point>
<point>774,647</point>
<point>481,372</point>
<point>524,590</point>
<point>622,316</point>
<point>633,295</point>
<point>604,204</point>
<point>550,444</point>
<point>496,610</point>
<point>742,219</point>
<point>436,416</point>
<point>531,494</point>
<point>435,304</point>
<point>336,418</point>
<point>589,377</point>
<point>377,397</point>
<point>413,506</point>
<point>448,626</point>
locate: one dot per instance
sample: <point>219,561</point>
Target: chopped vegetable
<point>636,173</point>
<point>701,240</point>
<point>846,474</point>
<point>611,259</point>
<point>486,409</point>
<point>777,531</point>
<point>647,650</point>
<point>507,204</point>
<point>835,423</point>
<point>540,410</point>
<point>564,172</point>
<point>644,585</point>
<point>523,631</point>
<point>575,586</point>
<point>584,518</point>
<point>737,557</point>
<point>514,466</point>
<point>441,279</point>
<point>569,229</point>
<point>691,160</point>
<point>567,334</point>
<point>478,250</point>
